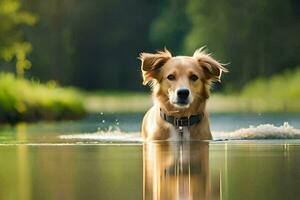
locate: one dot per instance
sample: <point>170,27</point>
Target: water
<point>90,159</point>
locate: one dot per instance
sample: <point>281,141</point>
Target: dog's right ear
<point>152,63</point>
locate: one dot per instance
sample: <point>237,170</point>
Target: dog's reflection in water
<point>178,170</point>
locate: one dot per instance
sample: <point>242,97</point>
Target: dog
<point>180,88</point>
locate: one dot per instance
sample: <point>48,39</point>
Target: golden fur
<point>155,70</point>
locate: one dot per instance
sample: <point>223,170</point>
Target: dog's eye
<point>193,77</point>
<point>171,77</point>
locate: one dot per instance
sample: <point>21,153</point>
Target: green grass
<point>24,100</point>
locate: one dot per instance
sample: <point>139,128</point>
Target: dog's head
<point>181,81</point>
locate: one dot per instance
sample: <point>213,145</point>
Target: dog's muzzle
<point>182,96</point>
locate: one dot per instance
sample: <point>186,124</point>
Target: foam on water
<point>263,131</point>
<point>112,136</point>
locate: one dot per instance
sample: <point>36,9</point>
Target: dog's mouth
<point>181,103</point>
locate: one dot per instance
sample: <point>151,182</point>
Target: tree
<point>91,44</point>
<point>12,44</point>
<point>171,26</point>
<point>258,38</point>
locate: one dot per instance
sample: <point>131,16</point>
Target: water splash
<point>108,126</point>
<point>112,134</point>
<point>263,131</point>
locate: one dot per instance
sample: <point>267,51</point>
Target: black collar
<point>181,121</point>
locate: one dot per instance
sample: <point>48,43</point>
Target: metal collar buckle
<point>183,121</point>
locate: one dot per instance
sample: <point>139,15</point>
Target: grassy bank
<point>279,93</point>
<point>23,100</point>
<point>117,102</point>
<point>140,102</point>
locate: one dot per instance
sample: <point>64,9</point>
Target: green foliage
<point>171,26</point>
<point>23,100</point>
<point>258,37</point>
<point>90,44</point>
<point>12,45</point>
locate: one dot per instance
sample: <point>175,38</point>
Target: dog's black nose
<point>183,93</point>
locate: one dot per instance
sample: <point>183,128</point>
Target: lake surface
<point>103,157</point>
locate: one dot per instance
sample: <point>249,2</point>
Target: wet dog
<point>180,88</point>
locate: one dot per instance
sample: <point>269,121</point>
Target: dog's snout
<point>183,93</point>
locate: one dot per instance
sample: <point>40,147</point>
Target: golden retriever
<point>180,88</point>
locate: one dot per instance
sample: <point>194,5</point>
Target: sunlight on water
<point>263,131</point>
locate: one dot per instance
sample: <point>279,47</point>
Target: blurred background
<point>77,59</point>
<point>61,59</point>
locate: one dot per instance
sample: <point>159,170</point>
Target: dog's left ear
<point>212,68</point>
<point>152,63</point>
